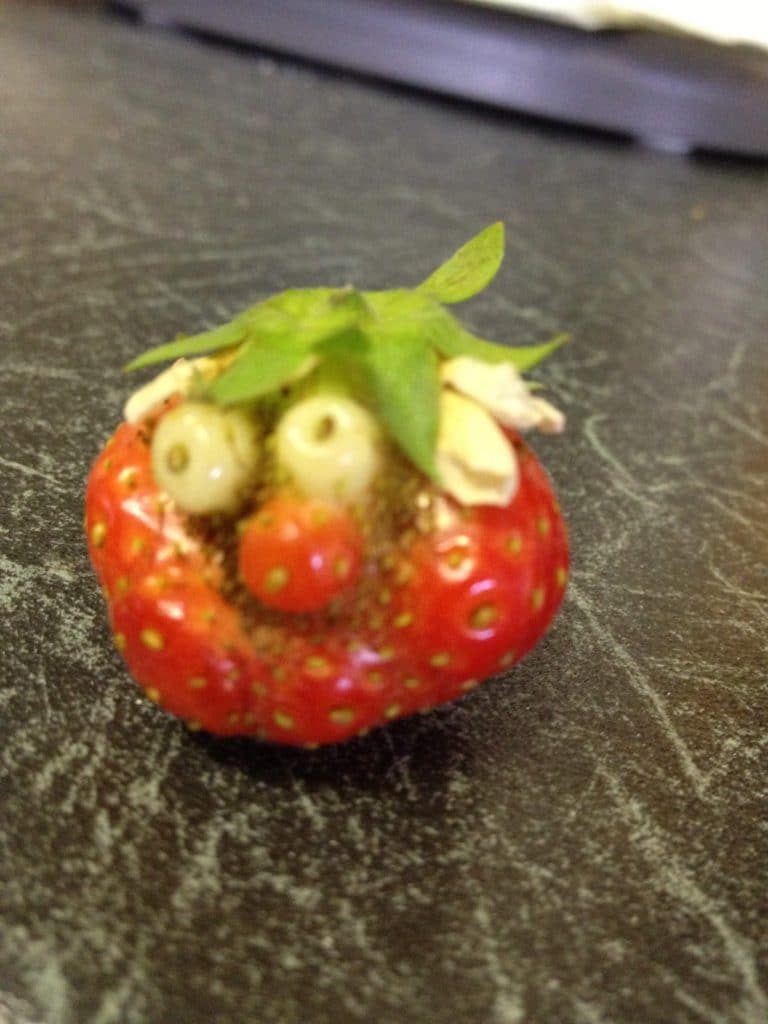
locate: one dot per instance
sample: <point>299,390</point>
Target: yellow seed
<point>249,718</point>
<point>276,579</point>
<point>108,463</point>
<point>402,620</point>
<point>120,641</point>
<point>411,683</point>
<point>197,683</point>
<point>319,516</point>
<point>258,688</point>
<point>543,526</point>
<point>278,672</point>
<point>233,718</point>
<point>440,660</point>
<point>341,716</point>
<point>385,596</point>
<point>283,720</point>
<point>363,732</point>
<point>374,677</point>
<point>127,477</point>
<point>469,684</point>
<point>121,584</point>
<point>537,598</point>
<point>483,616</point>
<point>317,666</point>
<point>455,558</point>
<point>233,675</point>
<point>341,568</point>
<point>386,653</point>
<point>194,726</point>
<point>105,593</point>
<point>392,711</point>
<point>98,534</point>
<point>561,576</point>
<point>507,659</point>
<point>137,546</point>
<point>311,746</point>
<point>403,574</point>
<point>153,694</point>
<point>514,544</point>
<point>152,639</point>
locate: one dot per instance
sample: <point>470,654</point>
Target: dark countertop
<point>581,842</point>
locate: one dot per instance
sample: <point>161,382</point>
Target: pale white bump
<point>476,463</point>
<point>205,457</point>
<point>503,392</point>
<point>178,378</point>
<point>330,446</point>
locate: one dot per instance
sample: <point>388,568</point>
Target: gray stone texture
<point>581,841</point>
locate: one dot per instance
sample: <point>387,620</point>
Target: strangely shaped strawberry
<point>330,520</point>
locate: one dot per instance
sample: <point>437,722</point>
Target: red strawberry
<point>457,604</point>
<point>483,587</point>
<point>281,554</point>
<point>297,554</point>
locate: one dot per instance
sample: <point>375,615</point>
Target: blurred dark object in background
<point>671,92</point>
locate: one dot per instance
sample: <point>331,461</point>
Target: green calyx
<point>391,341</point>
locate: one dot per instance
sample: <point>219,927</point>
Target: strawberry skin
<point>184,646</point>
<point>181,640</point>
<point>482,589</point>
<point>457,604</point>
<point>297,555</point>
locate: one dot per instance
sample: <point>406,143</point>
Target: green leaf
<point>308,314</point>
<point>525,357</point>
<point>470,269</point>
<point>225,336</point>
<point>405,386</point>
<point>258,370</point>
<point>460,342</point>
<point>350,302</point>
<point>286,310</point>
<point>282,342</point>
<point>384,346</point>
<point>398,304</point>
<point>434,325</point>
<point>278,314</point>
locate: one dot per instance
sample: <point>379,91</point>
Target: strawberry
<point>481,588</point>
<point>297,555</point>
<point>331,521</point>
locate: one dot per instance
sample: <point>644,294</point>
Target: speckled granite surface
<point>583,841</point>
